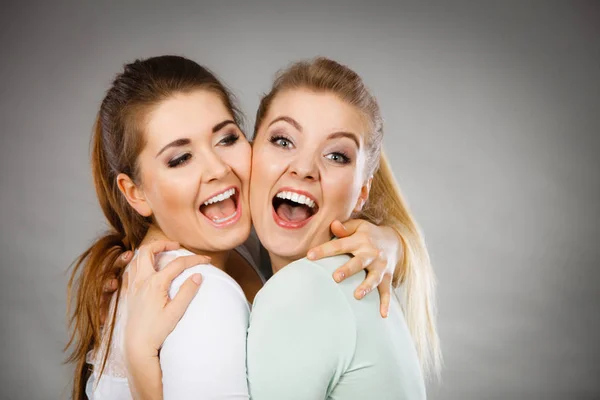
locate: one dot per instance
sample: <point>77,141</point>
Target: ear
<point>134,195</point>
<point>363,196</point>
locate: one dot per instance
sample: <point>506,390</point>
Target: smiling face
<point>194,173</point>
<point>308,169</point>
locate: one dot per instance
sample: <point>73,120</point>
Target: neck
<point>218,258</point>
<point>278,262</point>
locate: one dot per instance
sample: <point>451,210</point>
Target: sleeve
<point>205,355</point>
<point>302,335</point>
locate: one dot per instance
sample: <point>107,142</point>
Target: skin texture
<point>312,143</point>
<point>175,181</point>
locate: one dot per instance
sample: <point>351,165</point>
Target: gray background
<point>492,123</point>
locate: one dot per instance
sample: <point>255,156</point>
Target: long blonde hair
<point>385,205</point>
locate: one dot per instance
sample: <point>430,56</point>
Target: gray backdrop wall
<point>493,130</point>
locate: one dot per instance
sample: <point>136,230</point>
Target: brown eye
<point>229,139</point>
<point>176,162</point>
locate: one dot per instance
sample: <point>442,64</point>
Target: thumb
<point>348,228</point>
<point>184,297</point>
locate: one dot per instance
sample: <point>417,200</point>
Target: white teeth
<point>296,198</point>
<point>220,197</point>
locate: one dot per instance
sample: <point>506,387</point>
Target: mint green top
<point>310,339</point>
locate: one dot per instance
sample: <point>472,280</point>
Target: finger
<point>123,260</point>
<point>338,229</point>
<point>373,279</point>
<point>350,268</point>
<point>352,225</point>
<point>346,245</point>
<point>180,264</point>
<point>147,253</point>
<point>176,308</point>
<point>385,295</point>
<point>110,285</point>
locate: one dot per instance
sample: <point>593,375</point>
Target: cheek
<point>341,191</point>
<point>267,167</point>
<point>240,161</point>
<point>168,191</point>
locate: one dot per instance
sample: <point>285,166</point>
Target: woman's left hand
<point>375,248</point>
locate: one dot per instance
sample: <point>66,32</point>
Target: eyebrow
<point>348,135</point>
<point>289,120</point>
<point>334,135</point>
<point>186,141</point>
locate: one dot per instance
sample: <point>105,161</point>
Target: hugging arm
<point>378,249</point>
<point>203,339</point>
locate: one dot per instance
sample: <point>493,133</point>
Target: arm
<point>302,335</point>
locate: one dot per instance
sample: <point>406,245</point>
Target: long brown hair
<point>116,144</point>
<point>385,204</point>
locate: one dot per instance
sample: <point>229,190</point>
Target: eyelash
<point>274,139</point>
<point>179,161</point>
<point>229,140</point>
<point>345,157</point>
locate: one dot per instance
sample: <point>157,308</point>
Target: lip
<point>238,209</point>
<point>287,224</point>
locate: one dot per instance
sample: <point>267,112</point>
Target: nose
<point>304,167</point>
<point>214,168</point>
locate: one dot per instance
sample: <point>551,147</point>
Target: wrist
<point>137,353</point>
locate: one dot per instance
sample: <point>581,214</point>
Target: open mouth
<point>292,209</point>
<point>222,208</point>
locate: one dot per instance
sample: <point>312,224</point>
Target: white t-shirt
<point>217,331</point>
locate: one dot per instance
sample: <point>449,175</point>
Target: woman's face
<point>308,169</point>
<point>194,172</point>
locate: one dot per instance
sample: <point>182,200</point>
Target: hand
<point>151,314</point>
<point>375,248</point>
<point>112,284</point>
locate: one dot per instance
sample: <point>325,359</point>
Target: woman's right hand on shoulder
<point>151,314</point>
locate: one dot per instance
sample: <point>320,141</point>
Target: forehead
<point>318,111</point>
<point>185,115</point>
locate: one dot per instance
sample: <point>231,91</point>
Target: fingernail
<point>197,278</point>
<point>311,255</point>
<point>340,276</point>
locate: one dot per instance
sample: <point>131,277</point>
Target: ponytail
<point>414,274</point>
<point>84,295</point>
<point>116,144</point>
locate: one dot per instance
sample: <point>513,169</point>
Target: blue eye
<point>281,141</point>
<point>338,157</point>
<point>178,161</point>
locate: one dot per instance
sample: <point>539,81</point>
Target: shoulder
<point>215,281</point>
<point>305,290</point>
<point>301,278</point>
